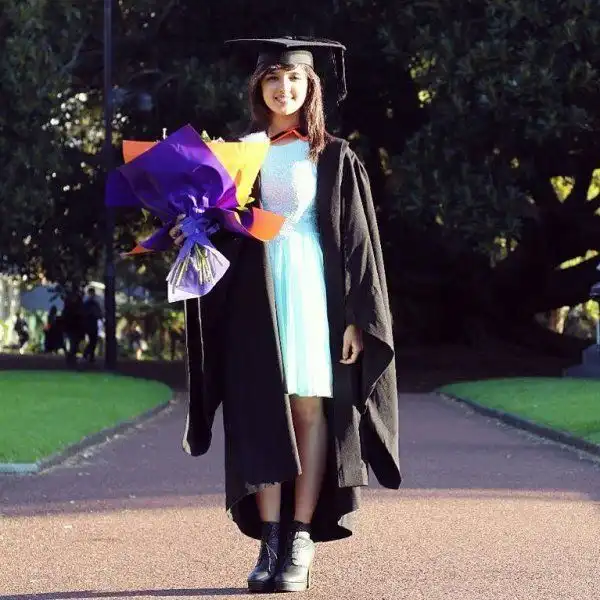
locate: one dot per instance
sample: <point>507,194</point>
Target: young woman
<point>295,342</point>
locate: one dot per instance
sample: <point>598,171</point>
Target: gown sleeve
<point>204,323</point>
<point>206,345</point>
<point>367,307</point>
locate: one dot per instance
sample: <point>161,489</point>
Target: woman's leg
<point>269,507</point>
<point>269,504</point>
<point>311,436</point>
<point>310,427</point>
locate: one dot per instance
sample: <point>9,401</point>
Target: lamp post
<point>110,353</point>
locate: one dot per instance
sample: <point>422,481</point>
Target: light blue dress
<point>288,187</point>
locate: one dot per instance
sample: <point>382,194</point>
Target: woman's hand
<point>175,232</point>
<point>352,346</point>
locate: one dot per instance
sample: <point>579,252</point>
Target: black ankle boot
<point>296,562</point>
<point>261,578</point>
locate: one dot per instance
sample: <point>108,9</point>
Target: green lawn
<point>570,405</point>
<point>42,412</point>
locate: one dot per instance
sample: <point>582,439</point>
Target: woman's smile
<point>283,100</point>
<point>284,91</point>
<point>273,321</point>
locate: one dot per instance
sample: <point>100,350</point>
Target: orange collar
<point>294,131</point>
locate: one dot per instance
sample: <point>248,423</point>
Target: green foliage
<point>163,328</point>
<point>35,61</point>
<point>511,90</point>
<point>499,102</point>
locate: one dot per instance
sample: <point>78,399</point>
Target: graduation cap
<point>297,51</point>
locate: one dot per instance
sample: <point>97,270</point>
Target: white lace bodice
<point>289,185</point>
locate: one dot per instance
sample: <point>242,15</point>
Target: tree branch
<point>583,180</point>
<point>522,277</point>
<point>77,156</point>
<point>593,205</point>
<point>587,236</point>
<point>167,10</point>
<point>568,287</point>
<point>76,51</point>
<point>543,194</point>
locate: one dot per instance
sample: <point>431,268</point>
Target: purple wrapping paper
<point>180,175</point>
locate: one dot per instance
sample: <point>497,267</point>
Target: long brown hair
<point>312,115</point>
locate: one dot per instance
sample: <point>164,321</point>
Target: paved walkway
<point>485,512</point>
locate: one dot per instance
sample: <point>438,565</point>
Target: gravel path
<point>485,512</point>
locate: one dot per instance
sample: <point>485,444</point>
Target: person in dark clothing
<point>53,335</point>
<point>295,342</point>
<point>73,325</point>
<point>92,313</point>
<point>22,331</point>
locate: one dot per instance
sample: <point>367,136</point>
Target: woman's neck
<point>281,123</point>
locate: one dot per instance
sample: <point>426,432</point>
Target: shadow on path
<point>84,594</point>
<point>445,449</point>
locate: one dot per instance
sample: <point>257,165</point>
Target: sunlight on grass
<point>571,405</point>
<point>42,412</point>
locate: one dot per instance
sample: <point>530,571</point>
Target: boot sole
<point>296,586</point>
<point>261,586</point>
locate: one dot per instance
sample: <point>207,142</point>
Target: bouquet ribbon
<point>210,183</point>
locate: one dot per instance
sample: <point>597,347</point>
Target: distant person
<point>177,337</point>
<point>73,325</point>
<point>101,338</point>
<point>22,330</point>
<point>137,342</point>
<point>92,315</point>
<point>53,335</point>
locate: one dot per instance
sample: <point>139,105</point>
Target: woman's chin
<point>284,111</point>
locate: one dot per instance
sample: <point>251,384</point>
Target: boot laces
<point>267,552</point>
<point>296,545</point>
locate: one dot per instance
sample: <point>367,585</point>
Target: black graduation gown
<point>233,360</point>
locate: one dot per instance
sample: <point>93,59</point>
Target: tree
<point>476,120</point>
<point>500,177</point>
<point>35,62</point>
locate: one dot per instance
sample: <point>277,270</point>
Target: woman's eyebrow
<point>279,72</point>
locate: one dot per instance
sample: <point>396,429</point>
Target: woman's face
<point>284,92</point>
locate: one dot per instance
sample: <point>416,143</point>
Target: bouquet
<point>208,182</point>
